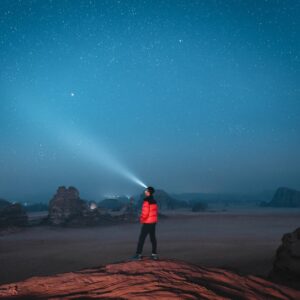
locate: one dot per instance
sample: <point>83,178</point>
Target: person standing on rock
<point>148,219</point>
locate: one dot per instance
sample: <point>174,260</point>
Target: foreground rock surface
<point>147,279</point>
<point>286,267</point>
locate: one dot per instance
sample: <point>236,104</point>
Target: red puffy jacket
<point>149,211</point>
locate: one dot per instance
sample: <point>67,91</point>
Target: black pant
<point>147,228</point>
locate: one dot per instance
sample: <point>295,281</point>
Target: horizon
<point>35,198</point>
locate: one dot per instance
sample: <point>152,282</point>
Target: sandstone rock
<point>66,206</point>
<point>286,266</point>
<point>147,279</point>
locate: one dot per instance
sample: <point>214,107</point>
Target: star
<point>72,94</point>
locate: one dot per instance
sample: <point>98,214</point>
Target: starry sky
<point>187,96</point>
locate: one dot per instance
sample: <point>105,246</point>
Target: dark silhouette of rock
<point>284,197</point>
<point>35,207</point>
<point>13,215</point>
<point>147,279</point>
<point>286,266</point>
<point>199,206</point>
<point>4,203</point>
<point>66,206</point>
<point>113,204</point>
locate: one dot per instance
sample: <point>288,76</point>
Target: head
<point>149,191</point>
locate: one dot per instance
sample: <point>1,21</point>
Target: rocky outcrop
<point>147,279</point>
<point>12,214</point>
<point>66,208</point>
<point>286,266</point>
<point>285,197</point>
<point>4,203</point>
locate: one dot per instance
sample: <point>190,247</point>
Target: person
<point>148,219</point>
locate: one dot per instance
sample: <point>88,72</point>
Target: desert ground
<point>242,240</point>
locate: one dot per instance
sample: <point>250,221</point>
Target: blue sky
<point>187,96</point>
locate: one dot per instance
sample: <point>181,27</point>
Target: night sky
<point>188,96</point>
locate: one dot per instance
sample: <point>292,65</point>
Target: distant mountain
<point>224,197</point>
<point>114,204</point>
<point>284,197</point>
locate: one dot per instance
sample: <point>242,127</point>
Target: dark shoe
<point>136,257</point>
<point>154,256</point>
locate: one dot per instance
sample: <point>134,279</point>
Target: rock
<point>286,266</point>
<point>147,279</point>
<point>199,206</point>
<point>4,203</point>
<point>114,204</point>
<point>12,215</point>
<point>66,206</point>
<point>285,197</point>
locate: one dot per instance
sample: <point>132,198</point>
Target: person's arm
<point>145,211</point>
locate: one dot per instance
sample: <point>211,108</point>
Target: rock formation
<point>12,214</point>
<point>147,279</point>
<point>285,197</point>
<point>66,208</point>
<point>286,266</point>
<point>114,204</point>
<point>4,203</point>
